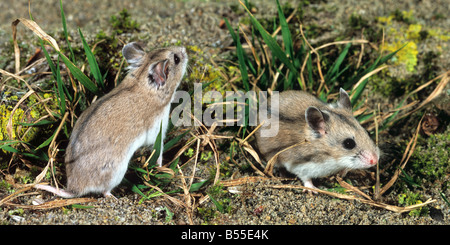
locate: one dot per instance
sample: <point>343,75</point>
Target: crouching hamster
<point>328,138</point>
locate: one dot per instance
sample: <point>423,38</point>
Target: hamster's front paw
<point>308,183</point>
<point>159,161</point>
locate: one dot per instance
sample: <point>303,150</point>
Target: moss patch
<point>29,112</point>
<point>403,30</point>
<point>430,161</point>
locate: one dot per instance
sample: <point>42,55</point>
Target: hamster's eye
<point>150,78</point>
<point>176,59</point>
<point>349,144</point>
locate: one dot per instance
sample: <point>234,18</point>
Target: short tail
<point>59,192</point>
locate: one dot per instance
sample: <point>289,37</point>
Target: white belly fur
<point>146,138</point>
<point>312,170</point>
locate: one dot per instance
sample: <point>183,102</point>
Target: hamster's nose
<point>369,158</point>
<point>373,159</point>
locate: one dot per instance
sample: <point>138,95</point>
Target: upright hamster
<point>107,134</point>
<point>333,140</point>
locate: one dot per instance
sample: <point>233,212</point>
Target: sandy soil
<point>197,23</point>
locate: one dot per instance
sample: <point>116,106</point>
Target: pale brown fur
<point>320,147</point>
<point>101,139</point>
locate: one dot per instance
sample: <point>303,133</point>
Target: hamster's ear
<point>316,119</point>
<point>133,53</point>
<point>159,72</point>
<point>344,100</point>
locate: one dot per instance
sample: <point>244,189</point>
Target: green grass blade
<point>274,47</point>
<point>93,65</point>
<point>60,85</point>
<point>79,75</point>
<point>444,198</point>
<point>79,206</point>
<point>49,60</point>
<point>337,64</point>
<point>196,186</point>
<point>66,34</point>
<point>175,140</point>
<point>6,145</point>
<point>56,72</point>
<point>363,118</point>
<point>40,123</point>
<point>390,119</point>
<point>358,91</point>
<point>156,147</point>
<point>286,33</point>
<point>46,142</point>
<point>289,82</point>
<point>407,178</point>
<point>309,69</point>
<point>265,80</point>
<point>136,189</point>
<point>66,90</point>
<point>240,54</point>
<point>288,46</point>
<point>271,43</point>
<point>380,61</point>
<point>389,56</point>
<point>217,204</point>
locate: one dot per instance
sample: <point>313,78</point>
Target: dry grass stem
<point>365,199</point>
<point>16,193</point>
<point>52,150</point>
<point>9,125</point>
<point>270,164</point>
<point>247,147</point>
<point>382,117</point>
<point>352,188</point>
<point>359,41</point>
<point>361,52</point>
<point>288,19</point>
<point>407,154</point>
<point>436,92</point>
<point>244,181</point>
<point>249,43</point>
<point>47,205</point>
<point>377,195</point>
<point>182,150</point>
<point>313,50</point>
<point>251,133</point>
<point>208,138</point>
<point>36,29</point>
<point>172,199</point>
<point>53,204</point>
<point>189,201</point>
<point>149,158</point>
<point>367,76</point>
<point>195,162</point>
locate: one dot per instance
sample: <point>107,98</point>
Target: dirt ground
<point>196,22</point>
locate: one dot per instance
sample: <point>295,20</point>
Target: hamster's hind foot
<point>109,195</point>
